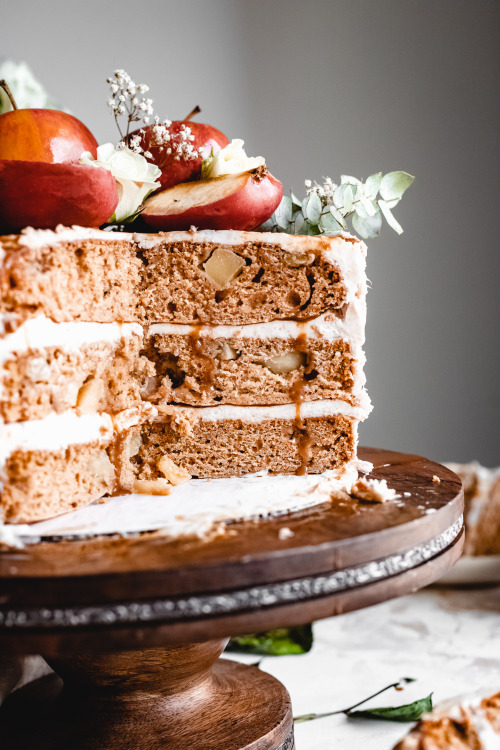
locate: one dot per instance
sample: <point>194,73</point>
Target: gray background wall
<point>328,87</point>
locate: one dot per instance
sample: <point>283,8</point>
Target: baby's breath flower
<point>127,99</point>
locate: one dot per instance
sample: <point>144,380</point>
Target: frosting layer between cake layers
<point>91,405</point>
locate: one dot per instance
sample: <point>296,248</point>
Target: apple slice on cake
<point>241,201</point>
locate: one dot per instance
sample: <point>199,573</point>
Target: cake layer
<point>266,363</point>
<point>108,367</point>
<point>40,484</point>
<point>203,277</point>
<point>65,461</point>
<point>101,375</point>
<point>236,448</point>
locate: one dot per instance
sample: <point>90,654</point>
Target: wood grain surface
<point>173,698</point>
<point>156,683</point>
<point>328,537</point>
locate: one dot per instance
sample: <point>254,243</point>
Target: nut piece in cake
<point>285,363</point>
<point>90,395</point>
<point>174,474</point>
<point>152,486</point>
<point>222,267</point>
<point>227,352</point>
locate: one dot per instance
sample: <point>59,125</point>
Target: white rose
<point>135,176</point>
<point>232,159</point>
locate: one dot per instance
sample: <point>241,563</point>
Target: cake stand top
<point>335,557</point>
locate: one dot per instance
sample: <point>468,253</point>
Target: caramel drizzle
<point>304,440</point>
<point>207,376</point>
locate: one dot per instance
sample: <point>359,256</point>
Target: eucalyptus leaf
<point>367,204</point>
<point>283,213</point>
<point>346,179</point>
<point>299,223</point>
<point>328,223</point>
<point>348,198</point>
<point>269,225</point>
<point>394,184</point>
<point>408,712</point>
<point>310,229</point>
<point>372,184</point>
<point>369,227</point>
<point>280,642</point>
<point>338,216</point>
<point>314,208</point>
<point>296,201</point>
<point>390,219</point>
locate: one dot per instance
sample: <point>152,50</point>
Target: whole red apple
<point>44,195</point>
<point>44,135</point>
<point>241,201</point>
<point>174,171</point>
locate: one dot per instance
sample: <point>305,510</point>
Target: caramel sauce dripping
<point>305,441</point>
<point>196,342</point>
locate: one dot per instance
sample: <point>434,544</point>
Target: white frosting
<point>192,508</point>
<point>468,707</point>
<point>53,433</point>
<point>56,431</point>
<point>41,332</point>
<point>36,238</point>
<point>255,414</point>
<point>328,327</point>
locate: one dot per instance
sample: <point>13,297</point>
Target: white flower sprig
<point>326,207</point>
<point>127,100</point>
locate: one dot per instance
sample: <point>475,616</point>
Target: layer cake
<point>133,361</point>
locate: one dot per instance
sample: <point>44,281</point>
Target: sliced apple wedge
<point>41,195</point>
<point>234,201</point>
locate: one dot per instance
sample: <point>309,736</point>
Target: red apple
<point>45,135</point>
<point>182,170</point>
<point>44,195</point>
<point>234,201</point>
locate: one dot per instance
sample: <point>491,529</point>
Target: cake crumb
<point>435,478</point>
<point>285,533</point>
<point>372,490</point>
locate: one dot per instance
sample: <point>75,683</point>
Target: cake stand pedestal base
<point>179,697</point>
<point>134,626</point>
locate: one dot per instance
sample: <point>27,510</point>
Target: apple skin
<point>44,195</point>
<point>45,135</point>
<point>247,200</point>
<point>175,171</point>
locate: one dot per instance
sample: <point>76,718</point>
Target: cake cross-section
<point>129,362</point>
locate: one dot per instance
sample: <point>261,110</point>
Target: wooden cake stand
<point>135,626</point>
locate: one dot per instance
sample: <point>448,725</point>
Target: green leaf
<point>328,223</point>
<point>408,712</point>
<point>348,197</point>
<point>372,184</point>
<point>369,227</point>
<point>368,205</point>
<point>338,216</point>
<point>310,229</point>
<point>338,196</point>
<point>299,223</point>
<point>279,642</point>
<point>390,219</point>
<point>313,210</point>
<point>346,179</point>
<point>394,184</point>
<point>269,225</point>
<point>296,201</point>
<point>283,213</point>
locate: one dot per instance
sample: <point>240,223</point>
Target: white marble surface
<point>448,639</point>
